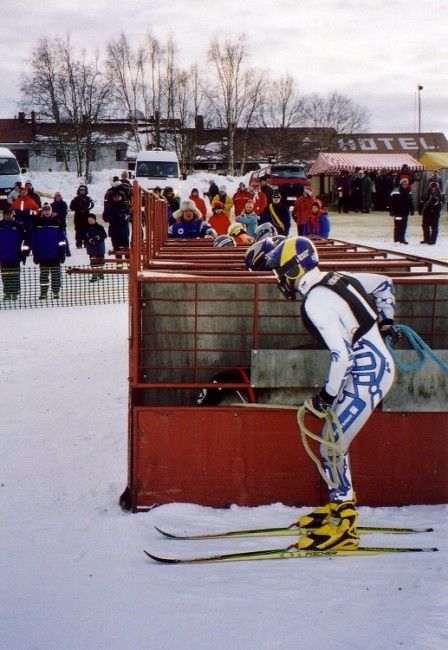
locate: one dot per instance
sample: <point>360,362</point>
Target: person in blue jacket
<point>13,240</point>
<point>189,223</point>
<point>318,225</point>
<point>94,241</point>
<point>117,214</point>
<point>277,214</point>
<point>48,247</point>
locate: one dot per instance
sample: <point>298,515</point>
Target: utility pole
<point>419,111</point>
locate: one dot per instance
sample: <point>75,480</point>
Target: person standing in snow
<point>13,239</point>
<point>199,202</point>
<point>81,205</point>
<point>350,314</point>
<point>94,242</point>
<point>48,248</point>
<point>117,215</point>
<point>401,206</point>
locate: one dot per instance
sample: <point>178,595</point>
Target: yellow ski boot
<point>315,518</point>
<point>338,530</point>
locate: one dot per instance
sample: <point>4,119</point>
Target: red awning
<point>333,163</point>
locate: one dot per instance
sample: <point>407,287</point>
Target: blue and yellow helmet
<point>256,254</point>
<point>293,257</point>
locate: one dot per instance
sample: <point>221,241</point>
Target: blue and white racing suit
<point>361,373</point>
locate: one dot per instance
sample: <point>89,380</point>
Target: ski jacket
<point>301,210</point>
<point>94,240</point>
<point>317,225</point>
<point>48,241</point>
<point>25,210</point>
<point>336,321</point>
<point>60,209</point>
<point>279,216</point>
<point>81,204</point>
<point>200,204</point>
<point>250,221</point>
<point>117,215</point>
<point>219,222</point>
<point>191,229</point>
<point>12,236</point>
<point>240,198</point>
<point>401,202</point>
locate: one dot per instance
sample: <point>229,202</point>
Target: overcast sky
<point>375,51</point>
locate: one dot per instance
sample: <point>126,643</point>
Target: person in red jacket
<point>219,221</point>
<point>25,209</point>
<point>301,210</point>
<point>240,198</point>
<point>199,202</point>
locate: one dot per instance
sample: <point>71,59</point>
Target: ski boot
<point>324,514</point>
<point>341,536</point>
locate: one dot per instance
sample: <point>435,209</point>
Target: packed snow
<point>73,572</point>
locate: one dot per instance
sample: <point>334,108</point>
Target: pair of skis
<point>289,552</point>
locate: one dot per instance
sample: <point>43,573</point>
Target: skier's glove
<point>320,404</point>
<point>389,331</point>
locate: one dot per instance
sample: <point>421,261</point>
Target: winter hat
<point>7,210</point>
<point>276,195</point>
<point>82,187</point>
<point>187,205</point>
<point>91,216</point>
<point>116,192</point>
<point>195,189</point>
<point>217,205</point>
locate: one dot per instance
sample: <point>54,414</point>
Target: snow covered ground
<point>72,570</point>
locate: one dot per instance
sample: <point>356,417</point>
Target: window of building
<point>120,155</point>
<point>59,155</point>
<point>22,156</point>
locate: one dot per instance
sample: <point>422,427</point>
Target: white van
<point>9,174</point>
<point>157,168</point>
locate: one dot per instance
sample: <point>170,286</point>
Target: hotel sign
<point>402,143</point>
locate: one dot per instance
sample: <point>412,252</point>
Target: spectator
<point>81,205</point>
<point>278,214</point>
<point>13,239</point>
<point>404,172</point>
<point>319,224</point>
<point>225,199</point>
<point>95,245</point>
<point>117,215</point>
<point>301,210</point>
<point>342,187</point>
<point>115,183</point>
<point>189,223</point>
<point>260,199</point>
<point>356,190</point>
<point>213,190</point>
<point>249,218</point>
<point>219,221</point>
<point>126,186</point>
<point>430,208</point>
<point>25,209</point>
<point>366,193</point>
<point>384,185</point>
<point>239,234</point>
<point>14,193</point>
<point>173,203</point>
<point>32,194</point>
<point>48,247</point>
<point>60,210</point>
<point>401,206</point>
<point>240,198</point>
<point>199,202</point>
<point>267,189</point>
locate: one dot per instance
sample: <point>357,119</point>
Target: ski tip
<point>165,533</point>
<point>161,560</point>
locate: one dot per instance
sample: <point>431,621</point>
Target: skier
<point>350,314</point>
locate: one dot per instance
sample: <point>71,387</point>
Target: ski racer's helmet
<point>265,230</point>
<point>290,260</point>
<point>256,254</point>
<point>236,229</point>
<point>224,241</point>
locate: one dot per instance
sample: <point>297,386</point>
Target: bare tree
<point>232,96</point>
<point>125,70</point>
<point>337,112</point>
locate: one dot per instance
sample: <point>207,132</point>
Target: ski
<point>286,554</point>
<point>290,530</point>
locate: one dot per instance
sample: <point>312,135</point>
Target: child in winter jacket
<point>94,241</point>
<point>318,224</point>
<point>219,220</point>
<point>249,218</point>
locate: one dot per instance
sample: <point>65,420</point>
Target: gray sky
<point>375,51</point>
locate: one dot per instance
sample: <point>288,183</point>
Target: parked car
<point>289,179</point>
